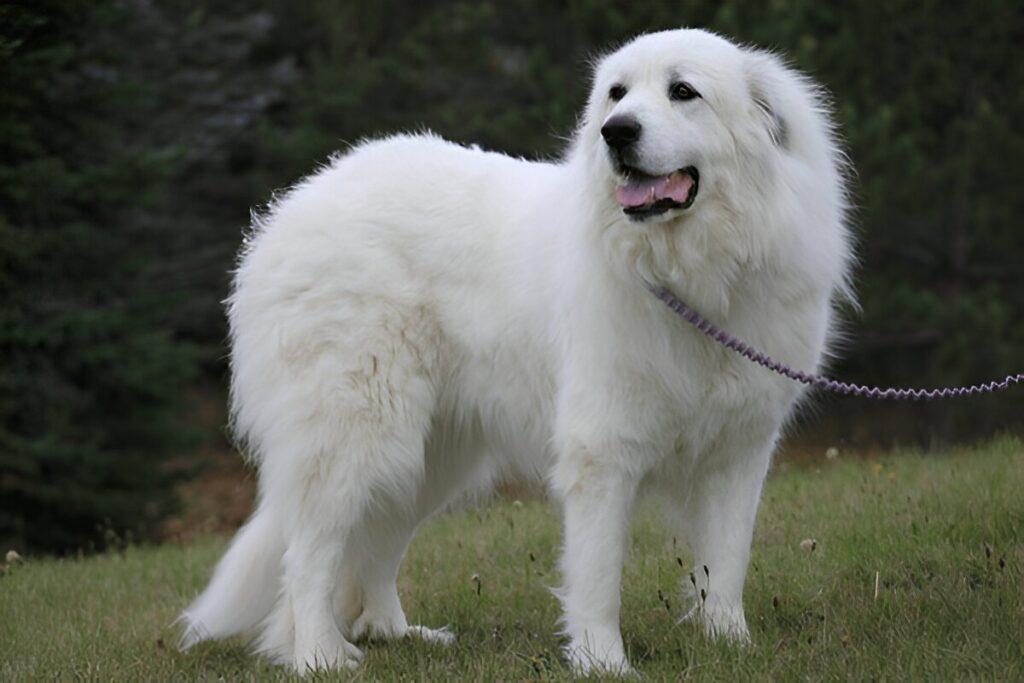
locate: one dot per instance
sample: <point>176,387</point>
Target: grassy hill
<point>917,573</point>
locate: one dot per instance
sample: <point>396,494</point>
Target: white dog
<point>418,320</point>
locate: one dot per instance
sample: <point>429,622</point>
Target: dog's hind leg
<point>347,446</point>
<point>322,533</point>
<point>381,616</point>
<point>456,463</point>
<point>379,613</point>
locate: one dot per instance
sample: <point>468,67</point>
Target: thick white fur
<point>418,319</point>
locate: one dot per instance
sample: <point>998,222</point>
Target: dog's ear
<point>778,131</point>
<point>766,79</point>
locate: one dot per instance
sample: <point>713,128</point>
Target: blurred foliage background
<point>135,136</point>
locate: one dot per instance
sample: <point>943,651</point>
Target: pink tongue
<point>675,186</point>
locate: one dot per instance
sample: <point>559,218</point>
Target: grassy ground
<point>943,534</point>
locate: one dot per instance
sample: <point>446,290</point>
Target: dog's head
<point>707,159</point>
<point>676,116</point>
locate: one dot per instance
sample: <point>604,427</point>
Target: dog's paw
<point>329,653</point>
<point>720,622</point>
<point>441,636</point>
<point>598,654</point>
<point>373,626</point>
<point>584,663</point>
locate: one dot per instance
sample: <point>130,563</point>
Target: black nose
<point>620,131</point>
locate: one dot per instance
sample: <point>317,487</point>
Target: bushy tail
<point>244,585</point>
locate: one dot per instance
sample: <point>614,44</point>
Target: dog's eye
<point>617,92</point>
<point>682,91</point>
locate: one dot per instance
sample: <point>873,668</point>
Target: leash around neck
<point>846,388</point>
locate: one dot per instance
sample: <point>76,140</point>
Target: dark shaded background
<point>135,136</point>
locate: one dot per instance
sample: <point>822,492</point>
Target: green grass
<point>945,534</point>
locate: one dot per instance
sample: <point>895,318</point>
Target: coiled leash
<point>725,339</point>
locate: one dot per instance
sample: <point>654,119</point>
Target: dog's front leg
<point>598,501</point>
<point>719,520</point>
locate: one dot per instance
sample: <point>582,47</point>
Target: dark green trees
<point>135,136</point>
<point>90,373</point>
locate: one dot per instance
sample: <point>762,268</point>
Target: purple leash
<point>725,339</point>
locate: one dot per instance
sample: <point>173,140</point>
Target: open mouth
<point>642,195</point>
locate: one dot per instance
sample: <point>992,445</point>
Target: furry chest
<point>716,397</point>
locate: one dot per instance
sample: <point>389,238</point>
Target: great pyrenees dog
<point>419,320</point>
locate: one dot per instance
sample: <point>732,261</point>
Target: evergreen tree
<point>926,96</point>
<point>134,137</point>
<point>91,375</point>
